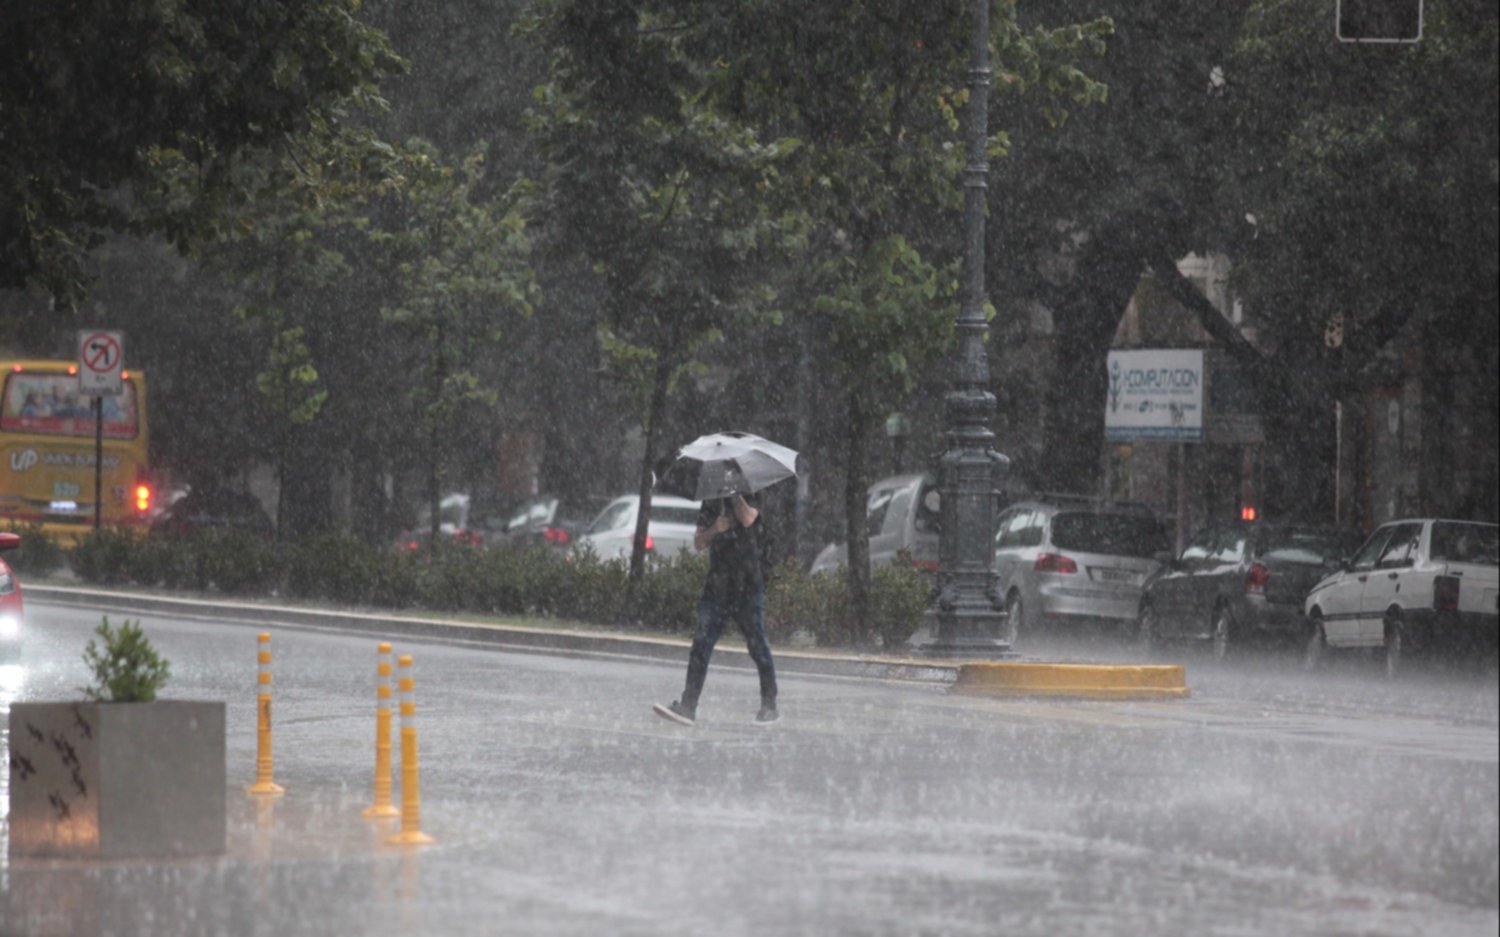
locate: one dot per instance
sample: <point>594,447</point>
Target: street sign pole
<point>101,357</point>
<point>98,457</point>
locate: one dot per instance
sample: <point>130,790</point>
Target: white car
<point>670,532</point>
<point>1412,583</point>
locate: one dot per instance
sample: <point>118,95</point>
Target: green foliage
<point>333,566</point>
<point>235,562</point>
<point>102,557</point>
<point>156,133</point>
<point>814,605</point>
<point>38,553</point>
<point>126,668</point>
<point>164,561</point>
<point>899,596</point>
<point>532,581</point>
<point>666,598</point>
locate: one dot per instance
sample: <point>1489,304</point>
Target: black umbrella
<point>722,464</point>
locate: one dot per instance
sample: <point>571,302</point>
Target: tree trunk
<point>434,485</point>
<point>654,414</point>
<point>856,532</point>
<point>1086,316</point>
<point>306,497</point>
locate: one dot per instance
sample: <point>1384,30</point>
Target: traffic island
<point>1077,681</point>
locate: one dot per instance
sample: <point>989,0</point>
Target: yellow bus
<point>47,451</point>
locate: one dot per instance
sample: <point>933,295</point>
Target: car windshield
<point>1458,542</point>
<point>1112,534</point>
<point>671,514</point>
<point>536,512</point>
<point>1313,546</point>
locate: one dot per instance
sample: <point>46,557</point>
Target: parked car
<point>217,510</point>
<point>670,531</point>
<point>1070,558</point>
<point>1413,583</point>
<point>1242,578</point>
<point>545,522</point>
<point>460,521</point>
<point>901,514</point>
<point>12,606</point>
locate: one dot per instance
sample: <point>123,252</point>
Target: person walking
<point>730,529</point>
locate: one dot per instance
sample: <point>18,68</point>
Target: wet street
<point>1271,802</point>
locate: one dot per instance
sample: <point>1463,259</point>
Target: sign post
<point>101,357</point>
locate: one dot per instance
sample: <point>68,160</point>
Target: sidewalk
<point>512,636</point>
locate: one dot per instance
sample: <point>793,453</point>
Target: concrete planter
<point>106,780</point>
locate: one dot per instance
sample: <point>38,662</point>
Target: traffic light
<point>1379,20</point>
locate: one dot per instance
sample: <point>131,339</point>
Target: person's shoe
<point>766,716</point>
<point>676,712</point>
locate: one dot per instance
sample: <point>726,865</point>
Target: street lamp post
<point>967,617</point>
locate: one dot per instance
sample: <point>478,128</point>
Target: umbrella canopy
<point>722,464</point>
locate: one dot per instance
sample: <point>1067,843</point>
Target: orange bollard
<point>263,782</point>
<point>382,807</point>
<point>411,811</point>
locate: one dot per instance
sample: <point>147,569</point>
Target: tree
<point>462,272</point>
<point>1087,202</point>
<point>1374,207</point>
<point>98,100</point>
<point>660,192</point>
<point>872,92</point>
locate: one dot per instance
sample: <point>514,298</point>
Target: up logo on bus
<point>24,459</point>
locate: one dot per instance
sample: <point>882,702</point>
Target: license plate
<point>1114,575</point>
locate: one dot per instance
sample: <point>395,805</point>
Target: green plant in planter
<point>127,669</point>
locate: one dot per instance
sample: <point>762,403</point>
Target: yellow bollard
<point>382,807</point>
<point>411,812</point>
<point>263,782</point>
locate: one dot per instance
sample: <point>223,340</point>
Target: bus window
<point>48,403</point>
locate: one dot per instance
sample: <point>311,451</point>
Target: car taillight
<point>1445,593</point>
<point>1256,579</point>
<point>650,544</point>
<point>558,536</point>
<point>142,497</point>
<point>1055,563</point>
<point>927,566</point>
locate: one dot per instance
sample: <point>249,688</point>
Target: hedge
<point>341,569</point>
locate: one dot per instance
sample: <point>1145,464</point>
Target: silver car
<point>901,515</point>
<point>1067,558</point>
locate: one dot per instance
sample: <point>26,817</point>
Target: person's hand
<point>722,524</point>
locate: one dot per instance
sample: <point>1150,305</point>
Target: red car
<point>12,612</point>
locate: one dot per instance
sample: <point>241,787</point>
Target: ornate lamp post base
<point>968,633</point>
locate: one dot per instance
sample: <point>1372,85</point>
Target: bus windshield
<point>48,404</point>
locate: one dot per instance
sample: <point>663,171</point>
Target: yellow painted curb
<point>1087,681</point>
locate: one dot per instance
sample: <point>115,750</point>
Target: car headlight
<point>10,627</point>
<point>7,583</point>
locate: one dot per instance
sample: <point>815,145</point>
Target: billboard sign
<point>1156,395</point>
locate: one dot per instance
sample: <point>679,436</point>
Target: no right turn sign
<point>101,357</point>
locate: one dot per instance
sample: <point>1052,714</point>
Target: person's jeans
<point>749,613</point>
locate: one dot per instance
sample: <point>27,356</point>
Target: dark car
<point>1240,579</point>
<point>214,511</point>
<point>546,522</point>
